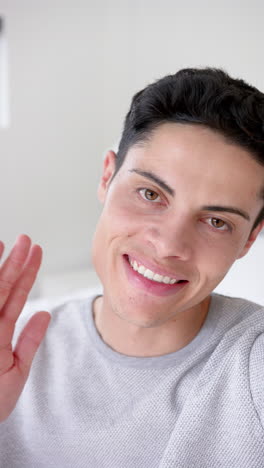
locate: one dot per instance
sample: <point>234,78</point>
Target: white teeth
<point>147,273</point>
<point>157,278</point>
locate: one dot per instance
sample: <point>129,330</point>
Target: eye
<point>219,224</point>
<point>149,195</point>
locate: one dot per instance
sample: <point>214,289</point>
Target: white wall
<point>74,66</point>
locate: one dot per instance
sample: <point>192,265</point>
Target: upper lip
<point>155,268</point>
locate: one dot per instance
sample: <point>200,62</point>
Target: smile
<point>151,275</point>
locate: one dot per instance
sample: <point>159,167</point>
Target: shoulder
<point>241,324</point>
<point>256,375</point>
<point>237,316</point>
<point>236,304</point>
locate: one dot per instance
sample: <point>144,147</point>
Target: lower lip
<point>152,287</point>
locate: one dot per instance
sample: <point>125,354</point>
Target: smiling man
<point>175,219</point>
<point>158,371</point>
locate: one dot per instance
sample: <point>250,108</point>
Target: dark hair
<point>209,97</point>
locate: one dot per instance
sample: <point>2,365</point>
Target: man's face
<point>181,208</point>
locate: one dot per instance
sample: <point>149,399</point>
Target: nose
<point>171,239</point>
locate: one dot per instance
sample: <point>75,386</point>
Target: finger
<point>18,296</point>
<point>1,248</point>
<point>29,341</point>
<point>12,267</point>
<point>22,287</point>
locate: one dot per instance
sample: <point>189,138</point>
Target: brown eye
<point>149,195</point>
<point>218,223</point>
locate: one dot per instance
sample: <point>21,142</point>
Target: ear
<point>108,172</point>
<point>253,235</point>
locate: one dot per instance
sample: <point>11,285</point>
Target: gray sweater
<point>87,406</point>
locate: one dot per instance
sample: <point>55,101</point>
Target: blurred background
<point>68,71</point>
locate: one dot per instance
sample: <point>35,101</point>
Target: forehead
<point>196,153</point>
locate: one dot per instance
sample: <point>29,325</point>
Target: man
<point>158,371</point>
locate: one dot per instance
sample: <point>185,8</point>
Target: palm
<point>17,276</point>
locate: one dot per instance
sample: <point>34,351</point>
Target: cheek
<point>123,217</point>
<point>97,248</point>
<point>216,261</point>
<point>117,222</point>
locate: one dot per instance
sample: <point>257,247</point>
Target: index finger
<point>20,291</point>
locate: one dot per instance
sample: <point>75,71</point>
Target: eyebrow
<point>155,178</point>
<point>171,191</point>
<point>227,209</point>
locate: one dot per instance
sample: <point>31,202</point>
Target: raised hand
<point>17,276</point>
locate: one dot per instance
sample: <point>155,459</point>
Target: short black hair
<point>206,96</point>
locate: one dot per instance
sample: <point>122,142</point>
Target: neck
<point>132,340</point>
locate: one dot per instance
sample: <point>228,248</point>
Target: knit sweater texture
<point>88,406</point>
